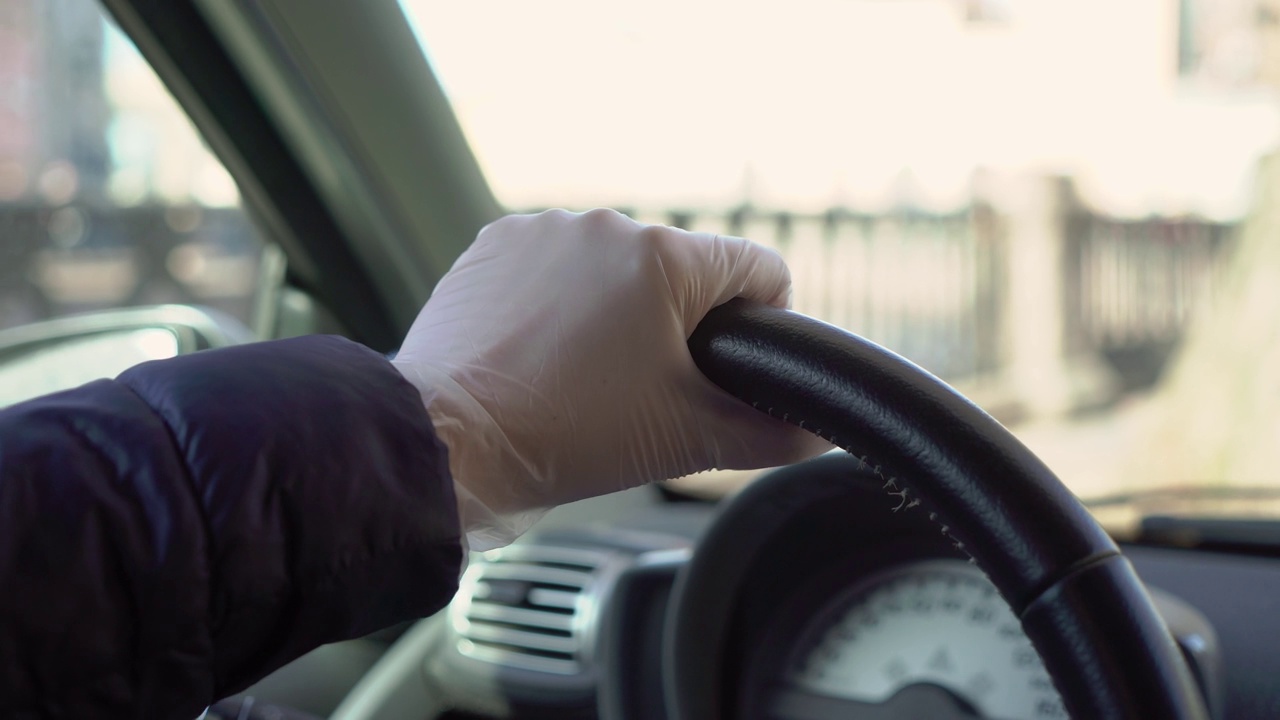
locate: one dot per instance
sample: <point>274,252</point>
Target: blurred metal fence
<point>1139,281</point>
<point>922,284</point>
<point>933,287</point>
<point>1133,286</point>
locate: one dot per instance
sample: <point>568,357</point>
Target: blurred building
<point>82,116</point>
<point>108,196</point>
<point>1232,44</point>
<point>53,112</point>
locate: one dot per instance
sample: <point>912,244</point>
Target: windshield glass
<point>1062,209</point>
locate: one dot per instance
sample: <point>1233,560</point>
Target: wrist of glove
<point>479,457</point>
<point>553,361</point>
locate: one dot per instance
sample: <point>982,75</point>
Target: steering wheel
<point>1077,597</point>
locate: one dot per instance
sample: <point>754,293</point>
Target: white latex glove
<point>553,361</point>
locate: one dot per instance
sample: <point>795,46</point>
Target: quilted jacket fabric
<point>173,535</point>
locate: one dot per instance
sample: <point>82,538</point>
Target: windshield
<point>1062,209</point>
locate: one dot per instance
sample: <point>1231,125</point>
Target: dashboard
<point>825,604</point>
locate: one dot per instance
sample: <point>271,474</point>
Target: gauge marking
<point>939,624</point>
<point>941,661</point>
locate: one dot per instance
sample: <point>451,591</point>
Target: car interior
<point>1048,373</point>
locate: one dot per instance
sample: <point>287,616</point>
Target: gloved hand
<point>553,361</point>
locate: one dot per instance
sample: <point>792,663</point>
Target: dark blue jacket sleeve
<point>171,536</point>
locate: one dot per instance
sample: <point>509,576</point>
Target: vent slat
<point>536,574</point>
<point>480,632</point>
<point>499,656</point>
<point>570,558</point>
<point>519,616</point>
<point>553,598</point>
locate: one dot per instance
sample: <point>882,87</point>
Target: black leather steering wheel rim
<point>1078,598</point>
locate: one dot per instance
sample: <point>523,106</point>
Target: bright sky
<point>809,103</point>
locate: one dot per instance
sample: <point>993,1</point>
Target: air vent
<point>530,607</point>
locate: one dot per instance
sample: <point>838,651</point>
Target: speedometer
<point>932,636</point>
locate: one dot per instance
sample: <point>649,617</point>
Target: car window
<point>1046,204</point>
<point>108,196</point>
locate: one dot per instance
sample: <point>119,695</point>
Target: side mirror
<point>63,353</point>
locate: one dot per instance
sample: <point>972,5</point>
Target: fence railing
<point>1138,281</point>
<point>922,284</point>
<point>933,287</point>
<point>1132,287</point>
